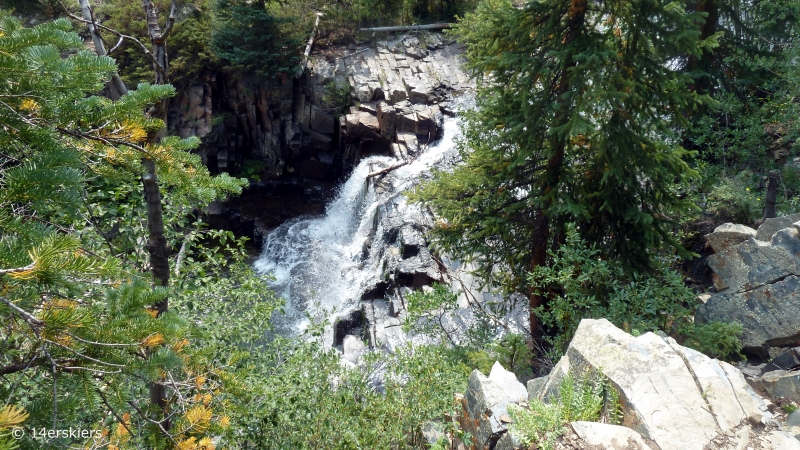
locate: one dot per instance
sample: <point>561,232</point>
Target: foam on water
<point>318,262</point>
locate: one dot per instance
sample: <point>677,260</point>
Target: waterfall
<point>322,264</point>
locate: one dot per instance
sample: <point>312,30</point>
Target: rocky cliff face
<point>304,132</point>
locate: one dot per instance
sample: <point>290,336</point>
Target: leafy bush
<point>716,339</point>
<point>585,399</point>
<point>303,398</point>
<point>337,97</point>
<point>252,168</point>
<point>735,199</point>
<point>511,351</point>
<point>579,285</point>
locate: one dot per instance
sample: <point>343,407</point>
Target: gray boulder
<point>602,436</point>
<point>780,384</point>
<point>768,314</point>
<point>485,408</point>
<point>792,424</point>
<point>678,398</point>
<point>728,235</point>
<point>755,263</point>
<point>772,226</point>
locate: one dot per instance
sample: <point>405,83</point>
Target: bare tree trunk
<point>157,242</point>
<point>772,195</point>
<point>159,39</point>
<point>116,88</point>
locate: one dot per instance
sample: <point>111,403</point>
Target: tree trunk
<point>772,194</point>
<point>552,174</point>
<point>115,88</point>
<point>157,242</point>
<point>159,39</point>
<point>704,62</point>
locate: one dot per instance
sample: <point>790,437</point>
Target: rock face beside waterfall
<point>285,130</point>
<point>672,398</point>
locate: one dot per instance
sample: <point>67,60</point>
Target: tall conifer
<point>577,111</point>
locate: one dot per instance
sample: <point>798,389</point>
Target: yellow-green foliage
<point>589,398</point>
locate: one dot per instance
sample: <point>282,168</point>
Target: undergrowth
<point>590,398</point>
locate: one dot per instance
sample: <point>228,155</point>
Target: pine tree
<point>248,35</point>
<point>578,108</point>
<point>80,335</point>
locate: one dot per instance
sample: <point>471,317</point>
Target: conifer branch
<point>158,423</point>
<point>27,268</point>
<point>102,344</point>
<point>84,356</point>
<point>32,321</point>
<point>113,411</point>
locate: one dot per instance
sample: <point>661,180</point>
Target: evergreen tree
<point>80,337</point>
<point>246,34</point>
<point>579,104</point>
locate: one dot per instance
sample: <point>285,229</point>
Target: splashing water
<point>320,264</point>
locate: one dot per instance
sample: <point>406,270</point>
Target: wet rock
<point>352,349</point>
<point>728,235</point>
<point>321,121</point>
<point>351,324</point>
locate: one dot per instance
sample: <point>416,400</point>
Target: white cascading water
<point>318,262</point>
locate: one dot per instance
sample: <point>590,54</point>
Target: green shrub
<point>302,398</point>
<point>735,199</point>
<point>337,97</point>
<point>716,339</point>
<point>579,284</point>
<point>252,168</point>
<point>586,399</point>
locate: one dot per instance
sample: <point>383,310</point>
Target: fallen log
<point>433,26</point>
<point>388,169</point>
<point>307,53</point>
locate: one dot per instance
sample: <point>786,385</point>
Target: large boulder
<point>761,282</point>
<point>755,263</point>
<point>771,226</point>
<point>672,395</point>
<point>768,314</point>
<point>728,235</point>
<point>603,436</point>
<point>780,384</point>
<point>485,408</point>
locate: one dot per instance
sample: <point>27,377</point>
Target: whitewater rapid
<point>320,264</point>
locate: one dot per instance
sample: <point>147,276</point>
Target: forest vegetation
<point>607,138</point>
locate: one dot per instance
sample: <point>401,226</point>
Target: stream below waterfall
<point>322,265</point>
